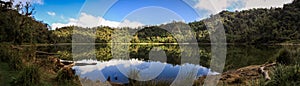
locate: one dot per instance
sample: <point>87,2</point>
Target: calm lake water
<point>140,58</point>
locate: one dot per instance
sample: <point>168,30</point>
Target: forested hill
<point>18,26</point>
<point>264,25</point>
<point>254,26</point>
<point>275,25</point>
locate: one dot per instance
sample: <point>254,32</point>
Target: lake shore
<point>242,76</point>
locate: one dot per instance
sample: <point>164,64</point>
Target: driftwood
<point>83,64</point>
<point>265,72</point>
<point>242,75</point>
<point>61,63</point>
<point>63,66</point>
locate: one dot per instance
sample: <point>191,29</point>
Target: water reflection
<point>237,55</point>
<point>109,70</point>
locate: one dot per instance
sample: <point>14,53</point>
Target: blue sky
<point>131,13</point>
<point>63,10</point>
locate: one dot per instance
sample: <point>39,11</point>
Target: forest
<point>21,33</point>
<point>254,26</point>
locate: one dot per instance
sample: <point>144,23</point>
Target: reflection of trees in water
<point>173,53</point>
<point>241,56</point>
<point>141,52</point>
<point>237,55</point>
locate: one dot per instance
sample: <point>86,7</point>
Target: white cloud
<point>215,6</point>
<point>127,23</point>
<point>59,25</point>
<point>264,3</point>
<point>51,13</point>
<point>86,20</point>
<point>41,2</point>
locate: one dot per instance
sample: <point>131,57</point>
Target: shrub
<point>288,57</point>
<point>29,76</point>
<point>10,56</point>
<point>284,57</point>
<point>3,54</point>
<point>65,55</point>
<point>285,76</point>
<point>65,75</point>
<point>15,62</point>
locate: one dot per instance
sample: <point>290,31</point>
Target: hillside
<point>275,25</point>
<point>17,25</point>
<point>254,26</point>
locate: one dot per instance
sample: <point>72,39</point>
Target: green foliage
<point>285,76</point>
<point>10,56</point>
<point>65,55</point>
<point>273,25</point>
<point>285,57</point>
<point>257,82</point>
<point>254,26</point>
<point>66,76</point>
<point>21,28</point>
<point>4,52</point>
<point>240,56</point>
<point>29,76</point>
<point>289,56</point>
<point>15,62</point>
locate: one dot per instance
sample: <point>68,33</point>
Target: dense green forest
<point>254,26</point>
<point>21,64</point>
<point>18,26</point>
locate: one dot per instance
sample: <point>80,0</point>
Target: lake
<point>161,62</point>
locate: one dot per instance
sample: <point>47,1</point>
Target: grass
<point>21,67</point>
<point>28,76</point>
<point>6,75</point>
<point>285,76</point>
<point>289,56</point>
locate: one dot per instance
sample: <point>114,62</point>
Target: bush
<point>285,57</point>
<point>3,54</point>
<point>15,62</point>
<point>285,76</point>
<point>288,57</point>
<point>10,56</point>
<point>29,76</point>
<point>65,75</point>
<point>65,55</point>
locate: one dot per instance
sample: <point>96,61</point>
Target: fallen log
<point>265,72</point>
<point>84,64</point>
<point>60,63</point>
